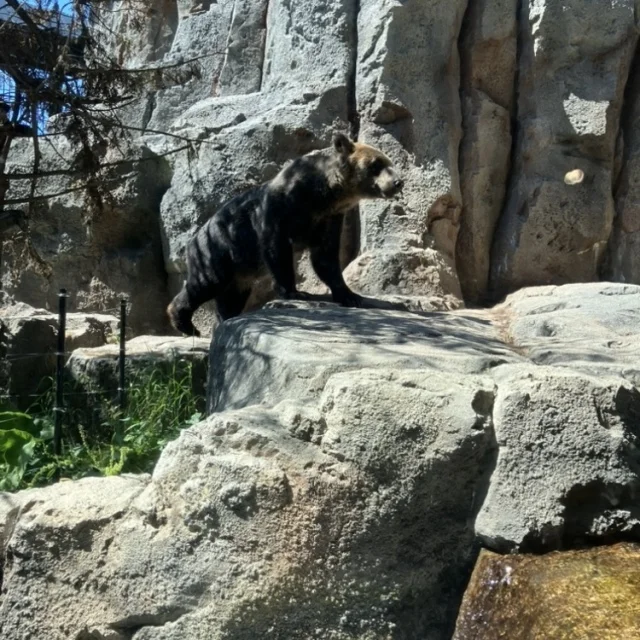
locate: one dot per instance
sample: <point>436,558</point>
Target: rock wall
<point>485,107</point>
<point>572,72</point>
<point>100,246</point>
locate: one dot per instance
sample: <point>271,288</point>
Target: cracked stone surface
<point>354,464</point>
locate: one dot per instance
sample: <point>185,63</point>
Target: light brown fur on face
<point>374,176</point>
<point>363,155</point>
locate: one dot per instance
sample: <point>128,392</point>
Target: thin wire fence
<point>119,418</point>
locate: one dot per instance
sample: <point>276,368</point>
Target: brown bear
<point>301,208</point>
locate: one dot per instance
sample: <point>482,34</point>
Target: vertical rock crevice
<point>488,47</point>
<point>227,46</point>
<point>265,24</point>
<point>622,260</point>
<point>497,257</point>
<point>464,41</point>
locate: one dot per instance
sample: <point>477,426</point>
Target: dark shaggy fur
<point>301,208</point>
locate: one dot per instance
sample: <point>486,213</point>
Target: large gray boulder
<point>339,522</point>
<point>593,328</point>
<point>96,370</point>
<point>88,512</point>
<point>275,354</point>
<point>568,466</point>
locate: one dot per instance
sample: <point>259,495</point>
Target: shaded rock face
<point>355,462</point>
<point>99,247</point>
<point>485,107</point>
<point>575,594</point>
<point>28,346</point>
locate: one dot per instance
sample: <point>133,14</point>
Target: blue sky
<point>7,13</point>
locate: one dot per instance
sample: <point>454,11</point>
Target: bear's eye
<point>377,166</point>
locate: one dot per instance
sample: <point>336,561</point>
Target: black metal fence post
<point>122,399</point>
<point>59,407</point>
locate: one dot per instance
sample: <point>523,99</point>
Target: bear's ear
<point>342,144</point>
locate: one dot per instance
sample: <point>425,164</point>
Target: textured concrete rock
<point>568,463</point>
<point>97,369</point>
<point>572,77</point>
<point>253,526</point>
<point>589,328</point>
<point>29,345</point>
<point>277,76</point>
<point>244,55</point>
<point>573,595</point>
<point>593,328</point>
<point>69,520</point>
<point>160,33</point>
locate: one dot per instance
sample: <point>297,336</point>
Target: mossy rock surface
<point>569,595</point>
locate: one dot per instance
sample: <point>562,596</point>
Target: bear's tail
<point>180,314</point>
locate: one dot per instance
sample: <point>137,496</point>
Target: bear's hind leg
<point>185,304</point>
<point>180,313</point>
<point>231,302</point>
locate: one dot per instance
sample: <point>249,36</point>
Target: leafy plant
<point>17,443</point>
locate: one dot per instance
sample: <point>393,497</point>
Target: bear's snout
<point>392,187</point>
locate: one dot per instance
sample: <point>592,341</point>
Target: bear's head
<point>370,173</point>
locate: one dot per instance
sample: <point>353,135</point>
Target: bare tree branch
<point>59,64</point>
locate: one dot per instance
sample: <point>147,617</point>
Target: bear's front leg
<point>325,258</point>
<point>278,256</point>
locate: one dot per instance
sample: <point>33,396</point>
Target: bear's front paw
<point>294,295</point>
<point>348,299</point>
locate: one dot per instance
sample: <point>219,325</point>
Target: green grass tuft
<point>160,403</point>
